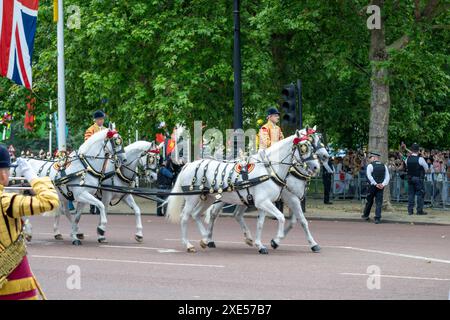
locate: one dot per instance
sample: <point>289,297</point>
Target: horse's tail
<point>174,203</point>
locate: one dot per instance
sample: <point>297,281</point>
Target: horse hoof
<point>274,244</point>
<point>100,232</point>
<point>80,236</point>
<point>249,242</point>
<point>316,248</point>
<point>203,244</point>
<point>102,240</point>
<point>139,238</point>
<point>191,250</point>
<point>263,251</point>
<point>58,237</point>
<point>211,244</point>
<point>76,242</point>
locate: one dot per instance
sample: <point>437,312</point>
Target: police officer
<point>415,168</point>
<point>99,120</point>
<point>378,176</point>
<point>17,282</point>
<point>270,133</point>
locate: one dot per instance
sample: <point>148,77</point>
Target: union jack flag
<point>18,19</point>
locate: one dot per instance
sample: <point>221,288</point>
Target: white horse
<point>125,174</point>
<point>86,167</point>
<point>271,168</point>
<point>181,154</point>
<point>292,195</point>
<point>148,165</point>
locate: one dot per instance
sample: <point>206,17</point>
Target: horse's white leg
<point>214,214</point>
<point>239,216</point>
<point>57,234</point>
<point>196,216</point>
<point>259,226</point>
<point>290,223</point>
<point>68,214</point>
<point>269,207</point>
<point>90,199</point>
<point>137,213</point>
<point>27,229</point>
<point>297,209</point>
<point>75,224</point>
<point>190,205</point>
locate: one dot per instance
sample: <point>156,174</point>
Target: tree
<point>380,87</point>
<point>147,61</point>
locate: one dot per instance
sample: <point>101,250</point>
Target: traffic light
<point>288,106</point>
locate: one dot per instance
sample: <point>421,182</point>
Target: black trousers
<point>326,178</point>
<point>94,209</point>
<point>279,205</point>
<point>415,188</point>
<point>377,194</point>
<point>161,211</point>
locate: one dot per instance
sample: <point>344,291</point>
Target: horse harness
<point>245,183</point>
<point>64,178</point>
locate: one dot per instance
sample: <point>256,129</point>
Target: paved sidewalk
<point>345,210</point>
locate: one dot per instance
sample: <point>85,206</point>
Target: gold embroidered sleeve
<point>46,199</point>
<point>264,138</point>
<point>89,132</point>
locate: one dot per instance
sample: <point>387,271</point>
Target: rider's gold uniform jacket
<point>269,134</point>
<point>16,279</point>
<point>91,130</point>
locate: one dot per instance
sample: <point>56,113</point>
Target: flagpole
<point>61,80</point>
<point>50,128</point>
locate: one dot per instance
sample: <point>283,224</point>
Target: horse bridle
<point>120,174</point>
<point>318,145</point>
<point>116,142</point>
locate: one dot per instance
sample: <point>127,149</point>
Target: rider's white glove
<point>26,169</point>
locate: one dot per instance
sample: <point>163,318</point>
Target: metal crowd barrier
<point>437,188</point>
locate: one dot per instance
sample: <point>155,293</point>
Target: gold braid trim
<point>10,258</point>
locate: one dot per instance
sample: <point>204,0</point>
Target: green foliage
<point>147,61</point>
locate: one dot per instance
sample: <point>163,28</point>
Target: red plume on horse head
<point>111,134</point>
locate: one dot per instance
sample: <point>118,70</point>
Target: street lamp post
<point>300,105</point>
<point>238,123</point>
<point>61,80</point>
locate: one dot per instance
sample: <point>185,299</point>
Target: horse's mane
<point>280,144</point>
<point>139,145</point>
<point>95,138</point>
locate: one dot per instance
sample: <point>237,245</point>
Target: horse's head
<point>180,153</point>
<point>319,147</point>
<point>149,163</point>
<point>114,146</point>
<point>304,154</point>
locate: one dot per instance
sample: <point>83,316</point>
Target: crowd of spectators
<point>350,167</point>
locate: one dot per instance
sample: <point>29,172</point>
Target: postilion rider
<point>17,282</point>
<point>99,120</point>
<point>269,134</point>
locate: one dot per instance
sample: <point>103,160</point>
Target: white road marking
<point>392,276</point>
<point>348,248</point>
<point>398,254</point>
<point>167,251</point>
<point>129,261</point>
<point>161,250</point>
